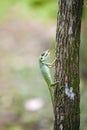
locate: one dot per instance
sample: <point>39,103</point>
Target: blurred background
<point>27,27</point>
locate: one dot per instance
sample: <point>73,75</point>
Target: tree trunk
<point>67,95</point>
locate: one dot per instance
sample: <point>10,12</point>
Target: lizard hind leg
<point>55,83</point>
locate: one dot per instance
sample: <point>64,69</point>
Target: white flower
<point>34,104</point>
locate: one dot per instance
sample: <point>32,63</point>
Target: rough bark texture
<point>67,111</point>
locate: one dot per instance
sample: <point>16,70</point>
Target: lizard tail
<point>51,94</point>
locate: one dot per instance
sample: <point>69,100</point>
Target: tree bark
<point>67,109</point>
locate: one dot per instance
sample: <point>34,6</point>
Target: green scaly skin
<point>46,72</point>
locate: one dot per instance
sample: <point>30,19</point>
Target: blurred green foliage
<point>43,9</point>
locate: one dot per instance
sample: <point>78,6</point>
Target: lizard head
<point>44,55</point>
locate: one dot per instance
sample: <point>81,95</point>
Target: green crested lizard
<point>46,72</point>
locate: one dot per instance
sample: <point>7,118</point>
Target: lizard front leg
<point>50,65</point>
